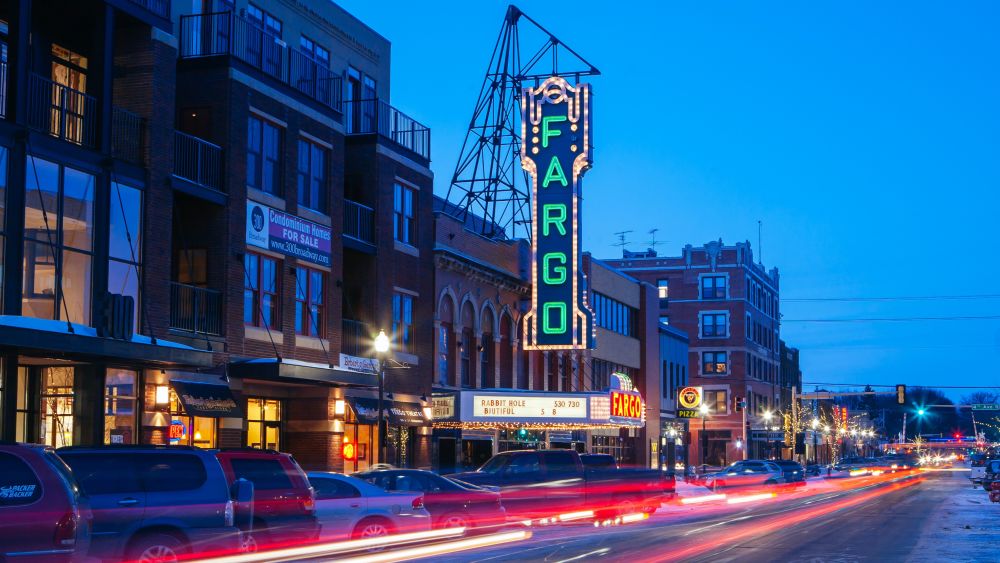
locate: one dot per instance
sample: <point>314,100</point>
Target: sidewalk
<point>965,528</point>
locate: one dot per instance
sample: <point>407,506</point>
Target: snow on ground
<point>966,528</point>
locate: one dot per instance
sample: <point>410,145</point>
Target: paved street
<point>869,524</point>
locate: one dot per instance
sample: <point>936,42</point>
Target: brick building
<point>728,305</point>
<point>482,289</point>
<point>269,213</point>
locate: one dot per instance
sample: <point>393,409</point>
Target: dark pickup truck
<point>552,482</point>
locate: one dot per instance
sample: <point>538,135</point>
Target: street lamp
<point>381,348</point>
<point>704,410</point>
<point>815,425</point>
<point>920,420</point>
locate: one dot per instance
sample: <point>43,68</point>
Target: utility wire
<point>897,319</point>
<point>893,298</point>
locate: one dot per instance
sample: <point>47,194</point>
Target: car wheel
<point>156,548</point>
<point>372,528</point>
<point>770,482</point>
<point>454,520</point>
<point>716,485</point>
<point>627,506</point>
<point>248,543</point>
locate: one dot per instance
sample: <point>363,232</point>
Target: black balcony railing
<point>356,338</point>
<point>128,132</point>
<point>195,309</point>
<point>158,7</point>
<point>359,221</point>
<point>197,161</point>
<point>223,33</point>
<point>61,111</point>
<point>377,116</point>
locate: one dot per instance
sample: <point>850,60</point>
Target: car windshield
<point>495,464</point>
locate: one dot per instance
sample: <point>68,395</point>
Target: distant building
<point>674,361</point>
<point>729,306</point>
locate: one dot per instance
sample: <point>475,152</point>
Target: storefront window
<point>264,423</point>
<point>363,436</point>
<point>58,233</point>
<point>119,406</point>
<point>125,243</point>
<point>26,411</point>
<point>187,430</point>
<point>57,406</point>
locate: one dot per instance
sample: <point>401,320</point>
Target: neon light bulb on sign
<point>556,154</point>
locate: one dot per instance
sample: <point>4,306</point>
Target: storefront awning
<point>207,399</point>
<point>54,339</point>
<point>397,412</point>
<point>294,370</point>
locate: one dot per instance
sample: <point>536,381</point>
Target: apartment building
<point>728,304</point>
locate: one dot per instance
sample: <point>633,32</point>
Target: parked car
<point>751,472</point>
<point>992,473</point>
<point>350,508</point>
<point>791,471</point>
<point>977,468</point>
<point>284,503</point>
<point>154,503</point>
<point>451,504</point>
<point>550,482</point>
<point>814,469</point>
<point>43,514</point>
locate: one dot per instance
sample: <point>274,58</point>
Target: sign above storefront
<point>359,364</point>
<point>526,406</point>
<point>206,399</point>
<point>627,406</point>
<point>278,231</point>
<point>689,398</point>
<point>556,151</point>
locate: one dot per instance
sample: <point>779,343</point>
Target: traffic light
<point>901,394</point>
<point>738,404</point>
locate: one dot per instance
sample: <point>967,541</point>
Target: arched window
<point>444,371</point>
<point>506,352</point>
<point>467,345</point>
<point>486,351</point>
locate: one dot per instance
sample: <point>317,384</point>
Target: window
<point>714,363</point>
<point>402,321</point>
<point>18,482</point>
<point>265,474</point>
<point>125,244</point>
<point>264,19</point>
<point>263,424</point>
<point>486,376</point>
<point>264,156</point>
<point>119,406</point>
<point>100,474</point>
<point>465,355</point>
<point>67,111</point>
<point>526,464</point>
<point>614,315</point>
<point>663,291</point>
<point>58,245</point>
<point>309,303</point>
<point>165,472</point>
<point>403,216</point>
<point>312,176</point>
<point>57,401</point>
<point>443,339</point>
<point>198,431</point>
<point>316,52</point>
<point>714,325</point>
<point>260,290</point>
<point>713,287</point>
<point>601,371</point>
<point>332,488</point>
<point>716,401</point>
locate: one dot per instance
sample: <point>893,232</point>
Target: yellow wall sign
<point>689,397</point>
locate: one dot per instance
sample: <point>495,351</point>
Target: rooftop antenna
<point>653,243</point>
<point>760,247</point>
<point>621,241</point>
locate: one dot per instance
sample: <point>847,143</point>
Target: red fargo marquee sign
<point>627,404</point>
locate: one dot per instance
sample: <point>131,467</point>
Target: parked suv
<point>284,505</point>
<point>154,503</point>
<point>43,515</point>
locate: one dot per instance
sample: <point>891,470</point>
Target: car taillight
<point>418,503</point>
<point>229,513</point>
<point>309,503</point>
<point>66,530</point>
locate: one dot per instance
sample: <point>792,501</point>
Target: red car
<point>284,505</point>
<point>43,515</point>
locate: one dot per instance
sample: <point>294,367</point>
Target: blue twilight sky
<point>865,136</point>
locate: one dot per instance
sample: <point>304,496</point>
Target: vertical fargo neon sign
<point>556,152</point>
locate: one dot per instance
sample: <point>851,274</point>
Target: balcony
<point>128,132</point>
<point>359,222</point>
<point>363,117</point>
<point>61,111</point>
<point>223,33</point>
<point>195,309</point>
<point>197,161</point>
<point>356,339</point>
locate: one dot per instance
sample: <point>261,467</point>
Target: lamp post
<point>815,426</point>
<point>381,348</point>
<point>768,415</point>
<point>920,420</point>
<point>704,410</point>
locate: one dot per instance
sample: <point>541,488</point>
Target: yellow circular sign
<point>689,397</point>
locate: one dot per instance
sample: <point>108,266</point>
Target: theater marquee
<point>556,151</point>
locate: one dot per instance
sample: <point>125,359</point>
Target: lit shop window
<point>264,423</point>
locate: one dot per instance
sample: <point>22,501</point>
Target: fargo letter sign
<point>556,151</point>
<point>278,231</point>
<point>627,405</point>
